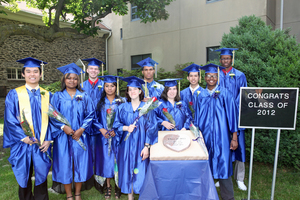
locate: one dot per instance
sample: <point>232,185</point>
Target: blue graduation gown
<point>132,169</point>
<point>217,120</point>
<point>155,92</point>
<point>20,152</point>
<point>94,92</point>
<point>65,149</point>
<point>187,96</point>
<point>180,115</point>
<point>104,164</point>
<point>233,85</point>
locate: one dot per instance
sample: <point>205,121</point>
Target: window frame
<point>212,1</point>
<point>17,69</point>
<point>207,52</point>
<point>133,13</point>
<point>143,56</point>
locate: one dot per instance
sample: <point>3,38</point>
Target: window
<point>138,58</point>
<point>121,33</point>
<point>14,73</point>
<point>211,54</point>
<point>134,17</point>
<point>211,1</point>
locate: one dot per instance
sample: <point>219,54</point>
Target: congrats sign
<point>268,108</point>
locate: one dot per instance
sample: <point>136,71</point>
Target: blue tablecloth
<point>178,180</point>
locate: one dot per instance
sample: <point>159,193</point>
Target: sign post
<point>267,108</point>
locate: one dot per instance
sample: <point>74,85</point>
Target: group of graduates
<point>106,137</point>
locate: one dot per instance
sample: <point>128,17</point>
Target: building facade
<point>191,33</point>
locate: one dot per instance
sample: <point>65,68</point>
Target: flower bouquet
<point>110,118</point>
<point>216,94</point>
<point>169,116</point>
<point>199,137</point>
<point>26,128</point>
<point>150,105</point>
<point>191,108</point>
<point>52,112</point>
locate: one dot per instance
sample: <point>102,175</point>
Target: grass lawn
<point>287,182</point>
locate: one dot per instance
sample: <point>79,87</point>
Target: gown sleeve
<point>151,128</point>
<point>55,125</point>
<point>89,114</point>
<point>12,130</point>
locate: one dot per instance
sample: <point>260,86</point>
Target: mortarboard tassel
<point>81,78</point>
<point>179,88</point>
<point>155,68</point>
<point>200,75</point>
<point>42,66</point>
<point>118,92</point>
<point>218,75</point>
<point>233,52</point>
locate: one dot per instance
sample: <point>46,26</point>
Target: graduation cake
<point>178,145</point>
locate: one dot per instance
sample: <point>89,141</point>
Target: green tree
<point>87,13</point>
<point>269,58</point>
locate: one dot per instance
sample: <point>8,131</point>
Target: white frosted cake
<point>177,145</point>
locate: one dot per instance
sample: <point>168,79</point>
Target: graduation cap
<point>212,68</point>
<point>134,81</point>
<point>71,68</point>
<point>94,62</point>
<point>193,68</point>
<point>111,79</point>
<point>170,82</point>
<point>32,62</point>
<point>148,62</point>
<point>228,51</point>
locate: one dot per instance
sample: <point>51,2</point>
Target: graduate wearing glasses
<point>216,117</point>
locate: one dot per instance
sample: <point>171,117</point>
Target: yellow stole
<point>24,104</point>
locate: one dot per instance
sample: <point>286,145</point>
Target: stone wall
<point>57,49</point>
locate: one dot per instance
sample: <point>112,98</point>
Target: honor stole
<point>24,104</point>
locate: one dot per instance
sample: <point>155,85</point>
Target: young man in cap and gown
<point>188,95</point>
<point>151,88</point>
<point>25,154</point>
<point>216,117</point>
<point>233,80</point>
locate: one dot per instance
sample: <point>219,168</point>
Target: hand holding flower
<point>131,128</point>
<point>168,125</point>
<point>112,133</point>
<point>77,134</point>
<point>103,131</point>
<point>68,130</point>
<point>30,140</point>
<point>44,147</point>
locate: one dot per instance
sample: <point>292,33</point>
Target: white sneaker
<point>217,184</point>
<point>241,185</point>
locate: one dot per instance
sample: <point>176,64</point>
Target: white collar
<point>30,88</point>
<point>194,89</point>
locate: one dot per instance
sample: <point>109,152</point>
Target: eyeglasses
<point>212,76</point>
<point>226,59</point>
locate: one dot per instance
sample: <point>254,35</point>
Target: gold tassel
<point>218,75</point>
<point>118,92</point>
<point>233,52</point>
<point>179,88</point>
<point>81,78</point>
<point>42,66</point>
<point>102,69</point>
<point>200,76</point>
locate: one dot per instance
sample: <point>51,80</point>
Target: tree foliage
<point>87,13</point>
<point>269,58</point>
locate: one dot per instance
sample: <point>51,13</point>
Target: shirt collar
<point>91,82</point>
<point>30,88</point>
<point>211,91</point>
<point>227,71</point>
<point>194,89</point>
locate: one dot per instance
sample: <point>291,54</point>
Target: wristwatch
<point>148,146</point>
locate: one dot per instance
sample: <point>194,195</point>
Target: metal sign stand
<point>275,164</point>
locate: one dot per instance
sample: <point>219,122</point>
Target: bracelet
<point>233,140</point>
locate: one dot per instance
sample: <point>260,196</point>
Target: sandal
<point>69,197</point>
<point>78,195</point>
<point>108,192</point>
<point>117,192</point>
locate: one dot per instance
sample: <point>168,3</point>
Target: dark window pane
<point>138,58</point>
<point>211,54</point>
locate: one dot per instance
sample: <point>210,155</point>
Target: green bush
<point>269,58</point>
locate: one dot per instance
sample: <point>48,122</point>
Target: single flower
<point>108,111</point>
<point>191,103</point>
<point>154,99</point>
<point>165,109</point>
<point>231,75</point>
<point>43,93</point>
<point>198,92</point>
<point>216,94</point>
<point>99,87</point>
